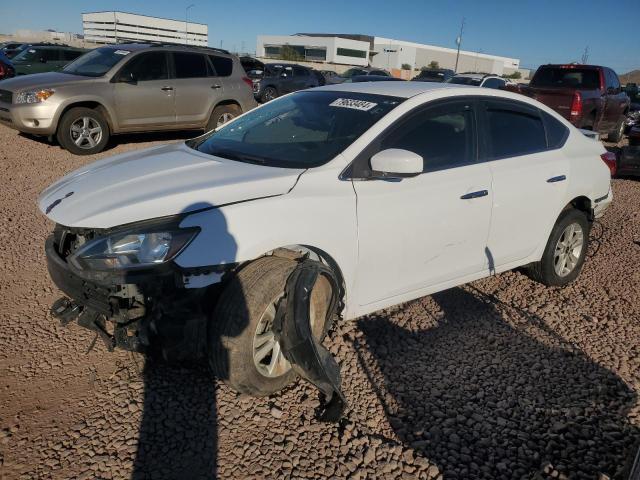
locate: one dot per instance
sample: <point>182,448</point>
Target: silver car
<point>127,88</point>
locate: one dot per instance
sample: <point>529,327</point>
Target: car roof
<point>134,47</point>
<point>394,89</point>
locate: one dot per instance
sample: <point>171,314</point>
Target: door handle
<point>167,89</point>
<point>559,178</point>
<point>216,86</point>
<point>478,194</point>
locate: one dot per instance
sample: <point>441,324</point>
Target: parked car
<point>45,58</point>
<point>633,117</point>
<point>629,161</point>
<point>127,88</point>
<point>6,67</point>
<point>328,75</point>
<point>281,78</point>
<point>631,89</point>
<point>356,72</point>
<point>434,75</point>
<point>259,232</point>
<point>589,96</point>
<point>479,80</point>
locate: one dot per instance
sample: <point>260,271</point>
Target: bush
<point>289,53</point>
<point>406,66</point>
<point>433,64</point>
<point>515,75</point>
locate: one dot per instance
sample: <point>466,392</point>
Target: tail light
<point>576,105</point>
<point>610,159</point>
<point>248,81</point>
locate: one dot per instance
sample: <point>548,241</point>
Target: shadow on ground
<point>484,399</point>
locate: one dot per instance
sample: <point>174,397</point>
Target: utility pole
<point>459,42</point>
<point>115,26</point>
<point>186,24</point>
<point>585,55</point>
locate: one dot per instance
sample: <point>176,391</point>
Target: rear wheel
<point>83,131</point>
<point>617,133</point>
<point>268,94</point>
<point>221,115</point>
<point>243,350</point>
<point>565,251</point>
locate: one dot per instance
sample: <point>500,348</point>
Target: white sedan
<point>362,195</point>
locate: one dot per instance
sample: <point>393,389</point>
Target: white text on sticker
<point>352,103</point>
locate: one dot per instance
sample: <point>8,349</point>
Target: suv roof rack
<point>166,44</point>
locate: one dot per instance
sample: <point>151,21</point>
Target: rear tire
<point>240,323</point>
<point>221,115</point>
<point>565,247</point>
<point>268,94</point>
<point>617,133</point>
<point>83,131</point>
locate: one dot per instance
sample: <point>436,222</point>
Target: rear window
<point>581,78</point>
<point>557,133</point>
<point>514,131</point>
<point>223,66</point>
<point>190,65</point>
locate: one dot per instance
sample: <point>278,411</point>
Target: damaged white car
<point>243,244</point>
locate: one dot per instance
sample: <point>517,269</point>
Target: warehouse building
<point>119,27</point>
<point>379,52</point>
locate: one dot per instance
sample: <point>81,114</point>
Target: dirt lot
<point>502,378</point>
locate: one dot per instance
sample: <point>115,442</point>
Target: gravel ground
<point>502,378</point>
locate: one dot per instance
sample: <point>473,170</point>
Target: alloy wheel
<point>224,118</point>
<point>568,250</point>
<point>86,132</point>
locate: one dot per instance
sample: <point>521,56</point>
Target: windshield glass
<point>465,81</point>
<point>29,55</point>
<point>582,78</point>
<point>96,62</point>
<point>276,70</point>
<point>303,130</point>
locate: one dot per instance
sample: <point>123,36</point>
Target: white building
<point>119,27</point>
<point>389,53</point>
<point>379,52</point>
<point>330,49</point>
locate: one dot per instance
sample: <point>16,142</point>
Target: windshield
<point>276,70</point>
<point>28,55</point>
<point>465,81</point>
<point>96,62</point>
<point>302,130</point>
<point>583,78</point>
<point>352,72</point>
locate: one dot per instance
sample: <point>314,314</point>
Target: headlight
<point>34,96</point>
<point>132,249</point>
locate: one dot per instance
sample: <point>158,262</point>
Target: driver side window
<point>442,136</point>
<point>146,67</point>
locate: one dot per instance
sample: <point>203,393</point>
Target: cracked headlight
<point>132,249</point>
<point>34,96</point>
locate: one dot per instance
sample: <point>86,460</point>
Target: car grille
<point>6,96</point>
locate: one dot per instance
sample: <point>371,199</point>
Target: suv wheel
<point>617,133</point>
<point>242,347</point>
<point>221,115</point>
<point>565,252</point>
<point>83,131</point>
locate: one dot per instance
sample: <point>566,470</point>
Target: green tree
<point>515,75</point>
<point>406,66</point>
<point>434,64</point>
<point>289,53</point>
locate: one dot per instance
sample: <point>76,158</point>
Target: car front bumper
<point>35,118</point>
<point>148,311</point>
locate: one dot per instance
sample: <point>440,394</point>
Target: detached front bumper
<point>35,118</point>
<point>142,312</point>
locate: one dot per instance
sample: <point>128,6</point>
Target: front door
<point>144,94</point>
<point>430,229</point>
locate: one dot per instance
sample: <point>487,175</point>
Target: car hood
<point>41,80</point>
<point>157,182</point>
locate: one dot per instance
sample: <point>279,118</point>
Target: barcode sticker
<point>352,103</point>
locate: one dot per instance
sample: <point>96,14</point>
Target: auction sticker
<point>352,103</point>
<point>122,52</point>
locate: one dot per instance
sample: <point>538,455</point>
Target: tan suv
<point>127,88</point>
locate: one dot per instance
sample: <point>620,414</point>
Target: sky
<point>536,32</point>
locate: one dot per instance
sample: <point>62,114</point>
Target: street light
<point>186,23</point>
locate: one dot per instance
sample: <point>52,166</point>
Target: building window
<point>349,52</point>
<point>272,52</point>
<point>315,53</point>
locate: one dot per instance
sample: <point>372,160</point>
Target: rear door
<point>144,93</point>
<point>222,80</point>
<point>196,89</point>
<point>429,229</point>
<point>530,176</point>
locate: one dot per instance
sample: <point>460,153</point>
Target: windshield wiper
<point>242,157</point>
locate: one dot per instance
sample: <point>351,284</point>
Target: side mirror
<point>396,163</point>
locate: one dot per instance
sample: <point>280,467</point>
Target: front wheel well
<point>89,104</point>
<point>227,102</point>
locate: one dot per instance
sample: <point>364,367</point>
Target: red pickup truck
<point>588,96</point>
